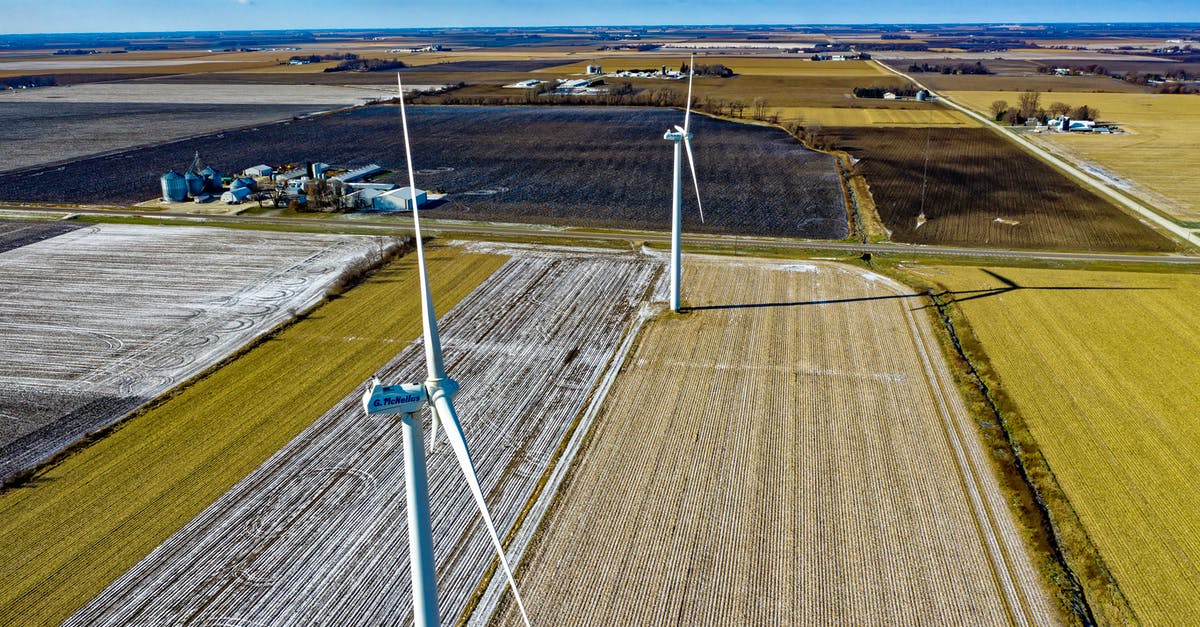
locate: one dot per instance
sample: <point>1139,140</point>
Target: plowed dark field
<point>606,167</point>
<point>981,190</point>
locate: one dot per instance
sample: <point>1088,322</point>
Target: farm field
<point>214,92</point>
<point>1015,75</point>
<point>18,233</point>
<point>100,320</point>
<point>1101,367</point>
<point>36,137</point>
<point>606,167</point>
<point>802,458</point>
<point>80,524</point>
<point>316,535</point>
<point>930,115</point>
<point>1158,153</point>
<point>981,190</point>
<point>796,65</point>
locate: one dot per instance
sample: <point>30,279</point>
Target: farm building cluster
<point>593,84</point>
<point>315,185</point>
<point>1065,124</point>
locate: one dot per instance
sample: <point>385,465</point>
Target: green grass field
<point>77,526</point>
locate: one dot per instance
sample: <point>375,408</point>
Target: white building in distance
<point>399,199</point>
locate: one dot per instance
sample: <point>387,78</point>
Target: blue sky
<point>41,16</point>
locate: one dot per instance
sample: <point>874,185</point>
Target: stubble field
<point>317,534</point>
<point>978,189</point>
<point>1101,366</point>
<point>140,484</point>
<point>100,320</point>
<point>585,166</point>
<point>802,458</point>
<point>39,129</point>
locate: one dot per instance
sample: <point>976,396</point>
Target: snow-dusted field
<point>98,321</point>
<point>317,535</point>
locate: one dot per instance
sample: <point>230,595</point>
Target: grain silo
<point>212,179</point>
<point>174,187</point>
<point>245,182</point>
<point>195,183</point>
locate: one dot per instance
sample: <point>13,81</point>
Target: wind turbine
<point>681,135</point>
<point>438,391</point>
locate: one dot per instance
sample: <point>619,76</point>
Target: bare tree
<point>998,108</point>
<point>1027,103</point>
<point>759,109</point>
<point>1058,108</point>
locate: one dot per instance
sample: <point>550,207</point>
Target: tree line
<point>367,65</point>
<point>961,68</point>
<point>878,91</point>
<point>1029,106</point>
<point>317,58</point>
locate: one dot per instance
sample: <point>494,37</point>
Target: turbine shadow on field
<point>962,296</point>
<point>832,301</point>
<point>959,295</point>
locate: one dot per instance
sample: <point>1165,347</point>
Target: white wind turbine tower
<point>406,399</point>
<point>681,135</point>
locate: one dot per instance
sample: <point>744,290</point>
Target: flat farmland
<point>143,482</point>
<point>1157,154</point>
<point>911,116</point>
<point>791,451</point>
<point>1101,367</point>
<point>317,534</point>
<point>606,167</point>
<point>747,66</point>
<point>37,136</point>
<point>981,190</point>
<point>1032,81</point>
<point>16,233</point>
<point>100,320</point>
<point>105,117</point>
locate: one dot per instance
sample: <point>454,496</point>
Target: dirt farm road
<point>451,227</point>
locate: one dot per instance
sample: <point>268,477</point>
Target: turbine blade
<point>432,427</point>
<point>433,345</point>
<point>687,143</point>
<point>687,114</point>
<point>444,410</point>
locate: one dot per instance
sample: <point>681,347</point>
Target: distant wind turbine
<point>407,399</point>
<point>681,135</point>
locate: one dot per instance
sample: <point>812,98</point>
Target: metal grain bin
<point>244,181</point>
<point>174,187</point>
<point>212,179</point>
<point>195,183</point>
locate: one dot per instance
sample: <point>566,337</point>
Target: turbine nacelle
<point>678,135</point>
<point>405,398</point>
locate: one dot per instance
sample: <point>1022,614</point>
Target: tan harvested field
<point>1102,368</point>
<point>317,535</point>
<point>926,115</point>
<point>1032,80</point>
<point>1157,157</point>
<point>796,66</point>
<point>99,321</point>
<point>790,452</point>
